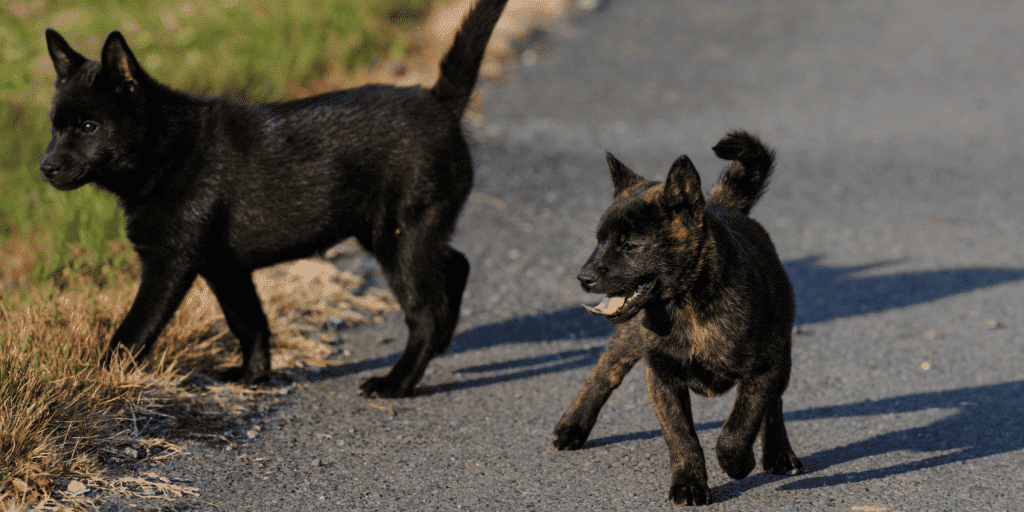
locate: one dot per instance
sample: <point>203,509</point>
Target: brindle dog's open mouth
<point>621,307</point>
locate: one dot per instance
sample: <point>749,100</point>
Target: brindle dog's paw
<point>783,465</point>
<point>570,437</point>
<point>737,461</point>
<point>689,492</point>
<point>383,387</point>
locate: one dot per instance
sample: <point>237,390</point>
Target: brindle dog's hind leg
<point>755,396</point>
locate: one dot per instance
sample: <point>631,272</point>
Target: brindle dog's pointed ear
<point>119,63</point>
<point>682,188</point>
<point>65,60</point>
<point>623,178</point>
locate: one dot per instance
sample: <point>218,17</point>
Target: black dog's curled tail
<point>746,176</point>
<point>460,66</point>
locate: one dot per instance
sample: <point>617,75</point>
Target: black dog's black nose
<point>48,168</point>
<point>586,279</point>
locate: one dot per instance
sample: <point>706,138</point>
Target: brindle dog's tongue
<point>609,306</point>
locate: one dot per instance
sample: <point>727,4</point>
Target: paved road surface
<point>896,208</point>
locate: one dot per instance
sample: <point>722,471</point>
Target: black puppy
<point>701,295</point>
<point>218,189</point>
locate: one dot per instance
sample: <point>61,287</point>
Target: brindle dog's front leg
<point>671,400</point>
<point>616,360</point>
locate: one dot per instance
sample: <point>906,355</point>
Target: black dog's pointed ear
<point>623,178</point>
<point>119,63</point>
<point>682,187</point>
<point>65,60</point>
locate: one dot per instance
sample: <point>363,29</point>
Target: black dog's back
<point>332,167</point>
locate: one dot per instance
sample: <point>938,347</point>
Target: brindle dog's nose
<point>587,279</point>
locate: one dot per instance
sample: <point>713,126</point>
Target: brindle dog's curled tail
<point>460,66</point>
<point>745,178</point>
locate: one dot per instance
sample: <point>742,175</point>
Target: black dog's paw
<point>242,376</point>
<point>383,387</point>
<point>105,359</point>
<point>689,492</point>
<point>784,465</point>
<point>116,353</point>
<point>570,437</point>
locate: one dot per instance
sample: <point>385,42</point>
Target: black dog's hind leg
<point>671,401</point>
<point>616,360</point>
<point>237,297</point>
<point>428,279</point>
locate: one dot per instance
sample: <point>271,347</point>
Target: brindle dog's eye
<point>625,244</point>
<point>89,127</point>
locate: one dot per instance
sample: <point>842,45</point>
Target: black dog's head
<point>98,117</point>
<point>650,241</point>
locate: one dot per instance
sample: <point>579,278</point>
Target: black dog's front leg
<point>243,312</point>
<point>163,285</point>
<point>616,360</point>
<point>671,401</point>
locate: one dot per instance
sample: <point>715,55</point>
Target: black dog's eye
<point>89,127</point>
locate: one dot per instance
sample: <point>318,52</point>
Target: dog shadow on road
<point>985,422</point>
<point>828,293</point>
<point>569,323</point>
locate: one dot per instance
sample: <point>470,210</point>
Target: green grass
<point>255,50</point>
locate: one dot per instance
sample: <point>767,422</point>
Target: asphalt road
<point>896,207</point>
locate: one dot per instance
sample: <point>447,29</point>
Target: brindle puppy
<point>699,292</point>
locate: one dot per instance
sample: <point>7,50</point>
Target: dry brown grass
<point>62,416</point>
<point>59,412</point>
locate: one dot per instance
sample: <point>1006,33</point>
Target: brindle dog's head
<point>98,116</point>
<point>650,241</point>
